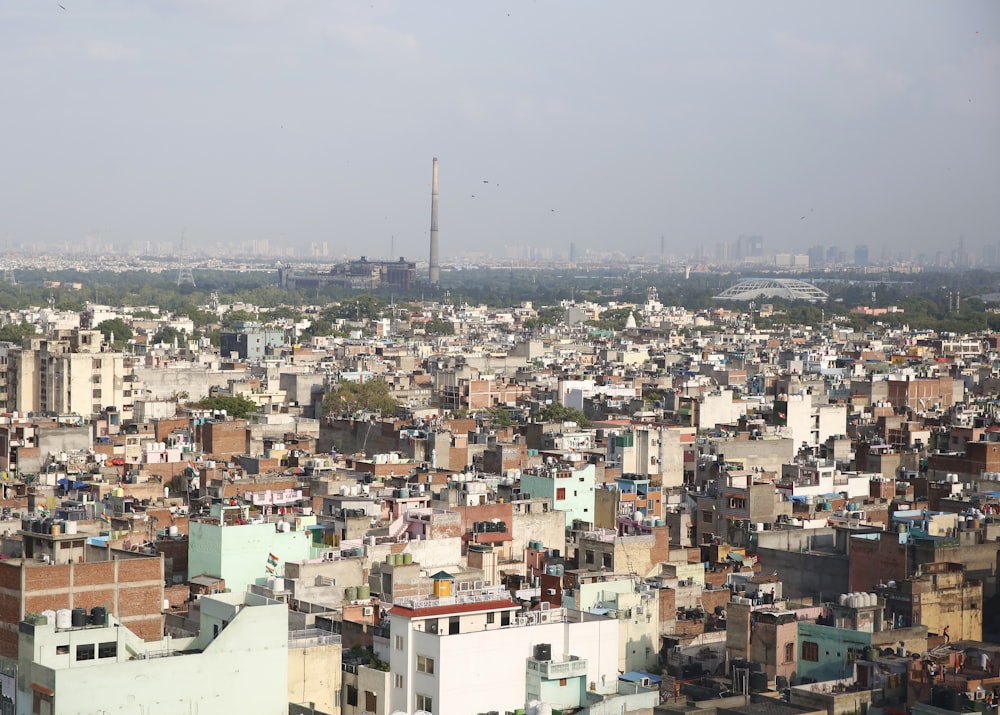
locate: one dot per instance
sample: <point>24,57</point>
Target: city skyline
<point>631,127</point>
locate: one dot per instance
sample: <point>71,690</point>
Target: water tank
<point>118,492</point>
<point>70,527</point>
<point>279,584</point>
<point>364,593</point>
<point>351,593</point>
<point>64,618</point>
<point>404,493</point>
<point>78,617</point>
<point>284,527</point>
<point>842,600</point>
<point>173,531</point>
<point>758,682</point>
<point>407,558</point>
<point>166,604</point>
<point>99,616</point>
<point>50,616</point>
<point>389,559</point>
<point>543,651</point>
<point>56,528</point>
<point>397,559</point>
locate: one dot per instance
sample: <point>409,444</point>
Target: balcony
<point>556,670</point>
<point>312,638</point>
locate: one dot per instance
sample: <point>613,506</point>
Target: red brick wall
<point>136,597</point>
<point>874,561</point>
<point>222,440</point>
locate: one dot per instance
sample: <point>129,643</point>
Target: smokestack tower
<point>434,273</point>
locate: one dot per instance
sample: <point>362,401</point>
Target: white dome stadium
<point>787,288</point>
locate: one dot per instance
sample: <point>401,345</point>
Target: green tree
<point>115,331</point>
<point>230,319</point>
<point>362,307</point>
<point>555,412</point>
<point>167,334</point>
<point>615,319</point>
<point>501,417</point>
<point>16,332</point>
<point>350,397</point>
<point>238,407</point>
<point>439,327</point>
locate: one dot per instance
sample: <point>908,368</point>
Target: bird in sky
<point>62,6</point>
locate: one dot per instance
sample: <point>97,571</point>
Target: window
<point>606,560</point>
<point>505,618</point>
<point>706,517</point>
<point>85,652</point>
<point>107,650</point>
<point>561,493</point>
<point>810,651</point>
<point>737,503</point>
<point>97,393</point>
<point>789,652</point>
<point>397,680</point>
<point>453,625</point>
<point>399,642</point>
<point>589,557</point>
<point>425,702</point>
<point>562,681</point>
<point>352,695</point>
<point>62,649</point>
<point>491,617</point>
<point>425,665</point>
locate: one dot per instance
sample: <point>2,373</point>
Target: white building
<point>466,653</point>
<point>238,662</point>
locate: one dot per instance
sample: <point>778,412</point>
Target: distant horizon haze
<point>601,126</point>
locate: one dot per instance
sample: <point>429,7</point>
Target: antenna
<point>184,275</point>
<point>434,269</point>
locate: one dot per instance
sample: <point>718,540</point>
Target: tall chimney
<point>434,274</point>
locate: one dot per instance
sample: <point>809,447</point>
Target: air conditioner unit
<point>677,649</point>
<point>368,610</point>
<point>543,617</point>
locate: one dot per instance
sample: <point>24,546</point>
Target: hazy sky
<point>606,124</point>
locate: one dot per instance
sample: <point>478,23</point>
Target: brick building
<point>131,589</point>
<point>223,440</point>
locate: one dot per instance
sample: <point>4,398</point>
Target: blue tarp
<point>67,484</point>
<point>637,676</point>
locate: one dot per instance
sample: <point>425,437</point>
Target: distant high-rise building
<point>816,257</point>
<point>861,254</point>
<point>990,255</point>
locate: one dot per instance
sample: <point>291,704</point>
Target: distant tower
<point>434,272</point>
<point>184,275</point>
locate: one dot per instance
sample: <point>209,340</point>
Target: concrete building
<point>101,666</point>
<point>71,373</point>
<point>466,653</point>
<point>569,486</point>
<point>250,341</point>
<point>315,670</point>
<point>651,450</point>
<point>228,545</point>
<point>939,597</point>
<point>630,496</point>
<point>634,604</point>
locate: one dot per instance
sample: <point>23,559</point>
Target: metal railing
<point>312,638</point>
